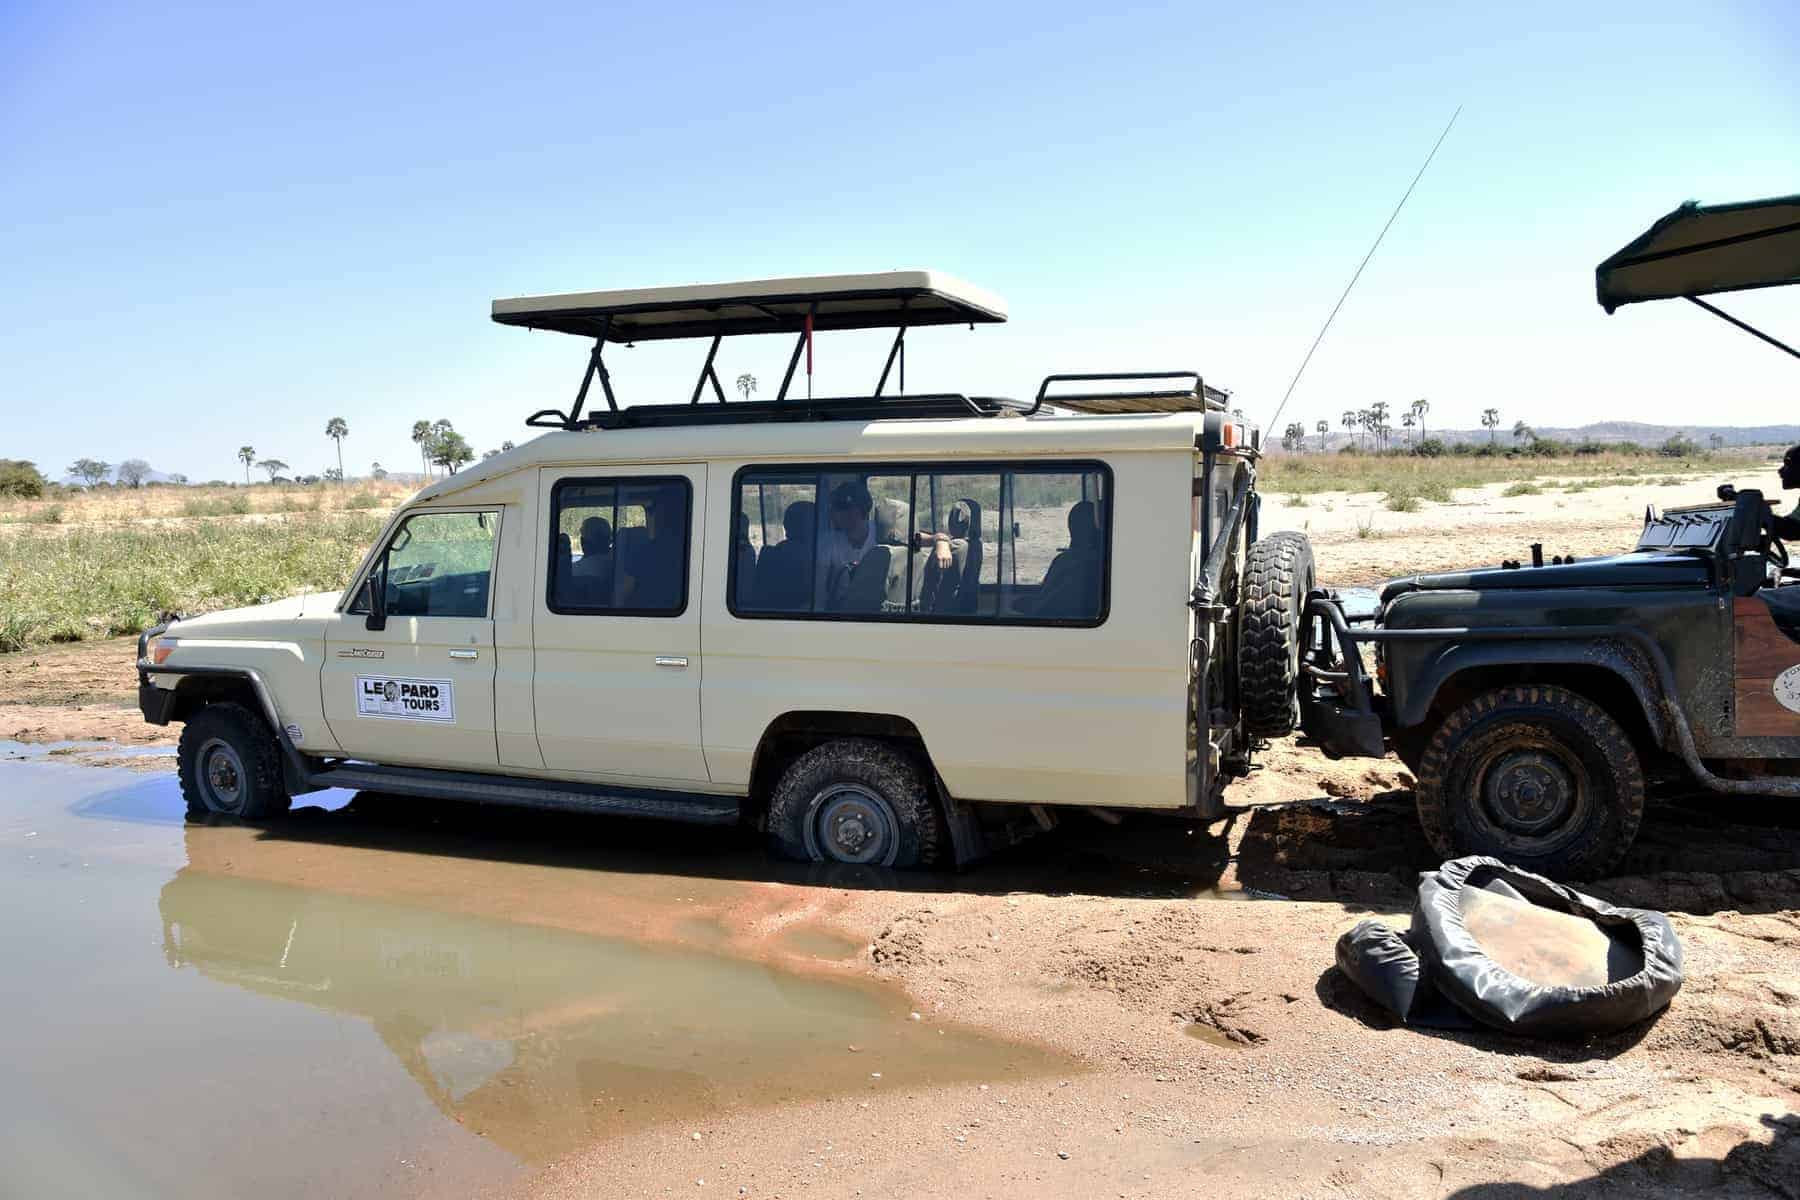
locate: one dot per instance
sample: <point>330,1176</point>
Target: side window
<point>1011,546</point>
<point>439,565</point>
<point>619,546</point>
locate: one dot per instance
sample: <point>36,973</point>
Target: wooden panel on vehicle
<point>1762,653</point>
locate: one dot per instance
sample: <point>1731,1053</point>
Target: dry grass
<point>105,506</point>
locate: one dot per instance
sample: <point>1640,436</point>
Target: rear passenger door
<point>616,678</point>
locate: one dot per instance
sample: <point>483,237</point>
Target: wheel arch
<point>793,733</point>
<point>1604,671</point>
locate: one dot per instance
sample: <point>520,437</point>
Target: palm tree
<point>337,431</point>
<point>248,454</point>
<point>1350,425</point>
<point>746,383</point>
<point>1490,417</point>
<point>1366,418</point>
<point>421,434</point>
<point>1716,440</point>
<point>1420,407</point>
<point>1322,428</point>
<point>377,471</point>
<point>1522,430</point>
<point>1378,415</point>
<point>1409,421</point>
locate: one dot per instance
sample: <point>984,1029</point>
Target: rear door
<point>616,681</point>
<point>421,691</point>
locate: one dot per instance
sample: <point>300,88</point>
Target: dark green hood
<point>1650,569</point>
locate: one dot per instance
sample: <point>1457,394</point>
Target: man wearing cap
<point>851,536</point>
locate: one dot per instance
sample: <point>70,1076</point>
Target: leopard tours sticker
<point>405,699</point>
<point>1787,689</point>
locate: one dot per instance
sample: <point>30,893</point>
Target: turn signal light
<point>160,650</point>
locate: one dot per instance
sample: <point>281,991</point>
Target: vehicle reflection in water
<point>543,1040</point>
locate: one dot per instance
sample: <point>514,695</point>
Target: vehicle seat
<point>965,527</point>
<point>867,588</point>
<point>784,570</point>
<point>565,566</point>
<point>746,561</point>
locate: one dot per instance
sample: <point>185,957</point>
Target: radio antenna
<point>1293,383</point>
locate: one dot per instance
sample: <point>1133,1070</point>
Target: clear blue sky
<point>220,225</point>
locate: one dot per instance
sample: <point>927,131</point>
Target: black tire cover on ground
<point>1277,575</point>
<point>1465,971</point>
<point>1380,962</point>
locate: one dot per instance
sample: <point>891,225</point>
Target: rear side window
<point>996,544</point>
<point>619,546</point>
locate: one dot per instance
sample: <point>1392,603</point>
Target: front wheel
<point>1535,776</point>
<point>230,765</point>
<point>855,801</point>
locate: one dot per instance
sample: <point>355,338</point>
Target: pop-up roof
<point>887,300</point>
<point>1703,250</point>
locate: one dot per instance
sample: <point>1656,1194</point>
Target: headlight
<point>160,647</point>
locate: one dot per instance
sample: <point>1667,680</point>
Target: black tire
<point>1536,776</point>
<point>856,801</point>
<point>1277,576</point>
<point>230,765</point>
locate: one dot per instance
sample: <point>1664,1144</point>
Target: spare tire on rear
<point>1271,632</point>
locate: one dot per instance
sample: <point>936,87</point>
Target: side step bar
<point>693,807</point>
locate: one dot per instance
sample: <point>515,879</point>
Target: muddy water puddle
<point>174,1024</point>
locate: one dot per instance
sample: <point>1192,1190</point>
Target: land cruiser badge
<point>405,699</point>
<point>1787,689</point>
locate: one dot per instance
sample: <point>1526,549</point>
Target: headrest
<point>797,521</point>
<point>892,518</point>
<point>965,519</point>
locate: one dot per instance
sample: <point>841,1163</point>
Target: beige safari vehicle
<point>890,629</point>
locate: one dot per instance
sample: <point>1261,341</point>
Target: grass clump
<point>71,584</point>
<point>1523,488</point>
<point>361,500</point>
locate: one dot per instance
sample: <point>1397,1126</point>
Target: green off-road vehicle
<point>1531,699</point>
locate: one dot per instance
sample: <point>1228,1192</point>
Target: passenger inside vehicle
<point>1071,587</point>
<point>596,561</point>
<point>651,560</point>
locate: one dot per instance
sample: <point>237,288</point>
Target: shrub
<point>1678,446</point>
<point>1431,448</point>
<point>21,479</point>
<point>361,500</point>
<point>1522,489</point>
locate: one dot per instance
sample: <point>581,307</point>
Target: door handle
<point>465,654</point>
<point>672,660</point>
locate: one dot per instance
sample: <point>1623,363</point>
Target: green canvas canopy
<point>1700,250</point>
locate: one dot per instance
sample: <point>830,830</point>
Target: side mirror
<point>377,585</point>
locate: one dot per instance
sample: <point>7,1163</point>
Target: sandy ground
<point>1359,542</point>
<point>1215,1048</point>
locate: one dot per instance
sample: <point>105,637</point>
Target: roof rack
<point>836,408</point>
<point>1198,396</point>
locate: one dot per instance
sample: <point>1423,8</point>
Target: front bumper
<point>157,704</point>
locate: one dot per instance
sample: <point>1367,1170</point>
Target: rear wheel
<point>855,801</point>
<point>1277,577</point>
<point>230,765</point>
<point>1536,776</point>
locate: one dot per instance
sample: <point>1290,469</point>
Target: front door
<point>421,691</point>
<point>616,684</point>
